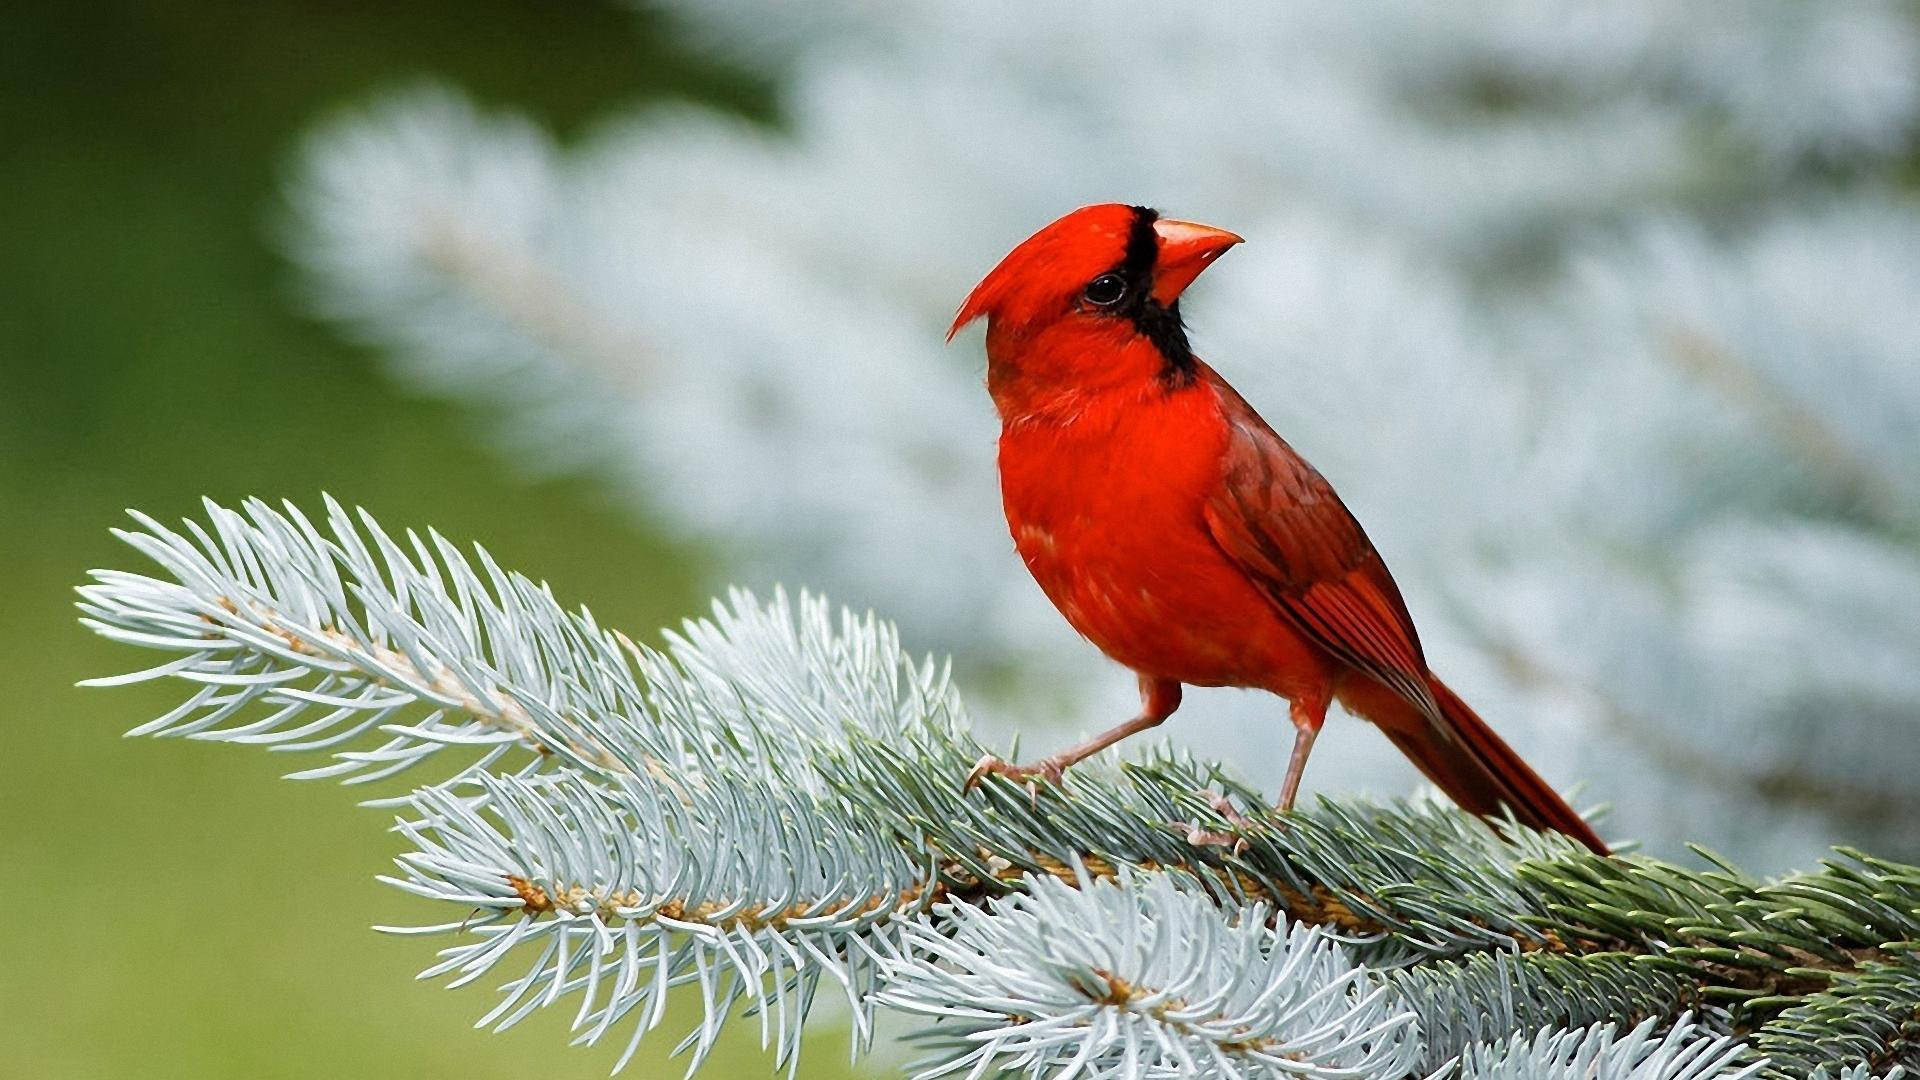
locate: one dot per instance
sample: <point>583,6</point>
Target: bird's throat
<point>1026,395</point>
<point>1162,327</point>
<point>1054,377</point>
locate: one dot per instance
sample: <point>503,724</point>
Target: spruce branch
<point>1487,997</point>
<point>1143,976</point>
<point>1595,1053</point>
<point>1858,1072</point>
<point>346,632</point>
<point>1871,1016</point>
<point>630,887</point>
<point>772,799</point>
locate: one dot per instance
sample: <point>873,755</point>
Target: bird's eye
<point>1105,290</point>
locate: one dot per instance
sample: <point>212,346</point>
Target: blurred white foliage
<point>1602,319</point>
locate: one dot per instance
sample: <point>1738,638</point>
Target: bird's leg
<point>1308,715</point>
<point>1158,699</point>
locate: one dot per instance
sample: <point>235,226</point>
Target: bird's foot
<point>1208,838</point>
<point>1048,769</point>
<point>1225,808</point>
<point>1200,837</point>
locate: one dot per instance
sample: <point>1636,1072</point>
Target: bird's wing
<point>1279,520</point>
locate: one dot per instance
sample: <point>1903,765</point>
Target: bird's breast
<point>1107,514</point>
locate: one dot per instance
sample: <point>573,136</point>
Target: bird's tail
<point>1475,767</point>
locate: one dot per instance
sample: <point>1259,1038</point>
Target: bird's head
<point>1093,297</point>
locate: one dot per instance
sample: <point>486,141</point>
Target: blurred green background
<point>176,909</point>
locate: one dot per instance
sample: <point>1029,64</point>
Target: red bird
<point>1178,533</point>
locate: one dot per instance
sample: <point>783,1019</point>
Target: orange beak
<point>1186,248</point>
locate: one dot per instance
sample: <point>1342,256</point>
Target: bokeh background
<point>1605,322</point>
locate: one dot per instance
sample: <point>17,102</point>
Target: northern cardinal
<point>1178,533</point>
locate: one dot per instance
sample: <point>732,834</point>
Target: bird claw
<point>1221,805</point>
<point>1200,837</point>
<point>1046,768</point>
<point>1225,808</point>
